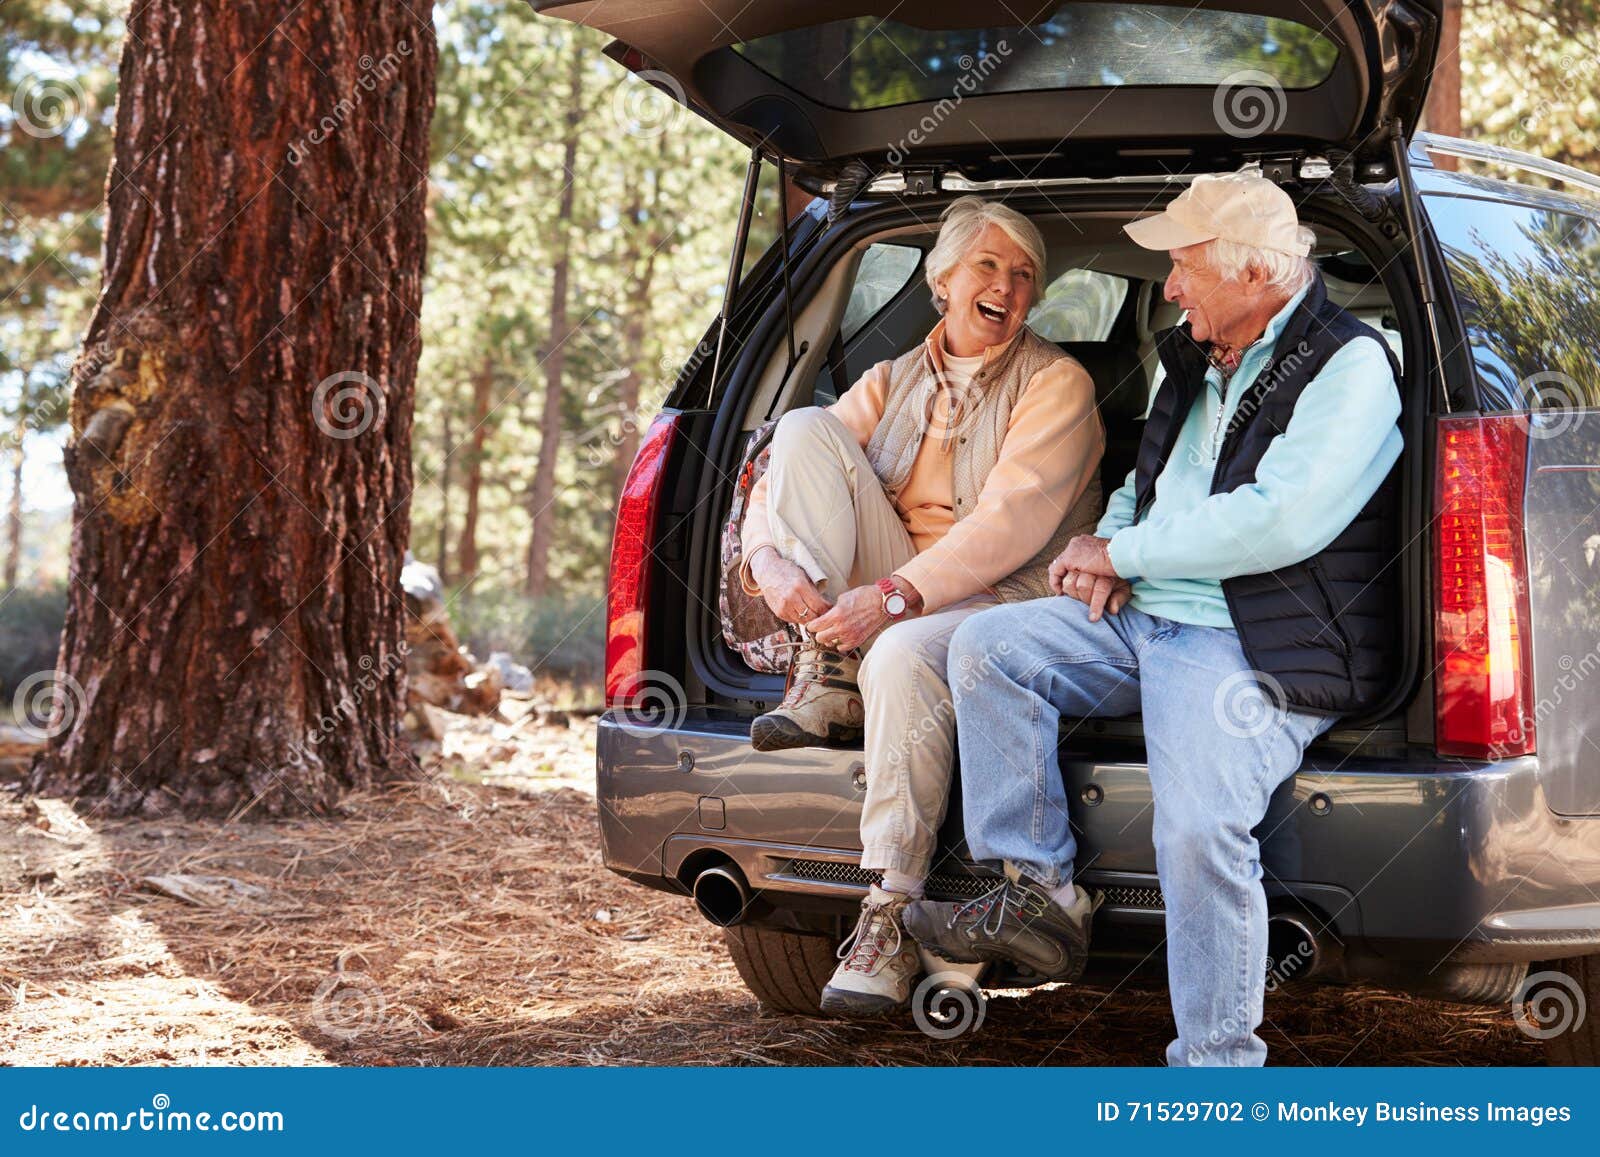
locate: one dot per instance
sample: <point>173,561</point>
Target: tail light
<point>1482,653</point>
<point>632,549</point>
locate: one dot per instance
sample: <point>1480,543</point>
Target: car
<point>1447,842</point>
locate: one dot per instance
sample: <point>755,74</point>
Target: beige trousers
<point>829,514</point>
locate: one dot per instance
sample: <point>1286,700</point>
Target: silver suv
<point>1448,844</point>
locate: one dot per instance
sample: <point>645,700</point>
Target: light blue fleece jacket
<point>1312,481</point>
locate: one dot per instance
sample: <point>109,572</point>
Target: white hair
<point>1283,271</point>
<point>961,224</point>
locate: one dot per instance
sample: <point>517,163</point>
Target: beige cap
<point>1232,206</point>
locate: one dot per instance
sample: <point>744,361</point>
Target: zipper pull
<point>1216,429</point>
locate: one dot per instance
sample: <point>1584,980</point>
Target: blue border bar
<point>583,1112</point>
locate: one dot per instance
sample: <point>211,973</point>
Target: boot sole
<point>951,958</point>
<point>1073,970</point>
<point>860,1005</point>
<point>769,734</point>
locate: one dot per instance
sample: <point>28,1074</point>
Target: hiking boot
<point>878,964</point>
<point>821,703</point>
<point>1013,921</point>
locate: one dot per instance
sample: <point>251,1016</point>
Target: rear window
<point>867,62</point>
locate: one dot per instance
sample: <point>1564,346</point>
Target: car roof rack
<point>1424,143</point>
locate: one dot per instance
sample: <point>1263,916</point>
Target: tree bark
<point>443,561</point>
<point>542,493</point>
<point>1442,113</point>
<point>241,415</point>
<point>467,550</point>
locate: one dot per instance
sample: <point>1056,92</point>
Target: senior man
<point>1227,594</point>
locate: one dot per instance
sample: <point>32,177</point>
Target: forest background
<point>578,232</point>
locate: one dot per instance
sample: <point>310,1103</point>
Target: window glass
<point>766,220</point>
<point>1080,305</point>
<point>1528,283</point>
<point>884,271</point>
<point>868,62</point>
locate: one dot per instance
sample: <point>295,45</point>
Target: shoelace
<point>992,906</point>
<point>868,941</point>
<point>811,663</point>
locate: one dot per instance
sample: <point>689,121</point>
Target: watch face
<point>895,604</point>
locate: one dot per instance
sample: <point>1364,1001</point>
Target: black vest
<point>1326,628</point>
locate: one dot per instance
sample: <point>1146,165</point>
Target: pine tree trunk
<point>467,551</point>
<point>443,561</point>
<point>1442,114</point>
<point>542,494</point>
<point>19,452</point>
<point>241,414</point>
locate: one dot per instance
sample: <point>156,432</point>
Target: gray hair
<point>1284,272</point>
<point>962,223</point>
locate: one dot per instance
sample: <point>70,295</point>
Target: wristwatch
<point>895,603</point>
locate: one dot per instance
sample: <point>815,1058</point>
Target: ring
<point>805,612</point>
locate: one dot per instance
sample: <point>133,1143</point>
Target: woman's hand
<point>787,588</point>
<point>857,615</point>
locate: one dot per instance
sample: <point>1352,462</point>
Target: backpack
<point>763,640</point>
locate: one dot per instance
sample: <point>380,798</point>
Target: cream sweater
<point>1051,450</point>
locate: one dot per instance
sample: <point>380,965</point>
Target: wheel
<point>786,971</point>
<point>1560,1004</point>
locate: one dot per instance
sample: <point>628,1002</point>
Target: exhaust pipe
<point>1296,950</point>
<point>722,897</point>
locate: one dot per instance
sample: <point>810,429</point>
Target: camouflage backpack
<point>748,624</point>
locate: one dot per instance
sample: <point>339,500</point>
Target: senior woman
<point>941,483</point>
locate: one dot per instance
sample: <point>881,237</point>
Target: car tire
<point>1579,1042</point>
<point>785,970</point>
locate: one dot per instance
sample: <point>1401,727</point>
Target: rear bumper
<point>1411,861</point>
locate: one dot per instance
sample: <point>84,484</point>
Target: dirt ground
<point>466,920</point>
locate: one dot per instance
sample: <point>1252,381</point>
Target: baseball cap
<point>1248,209</point>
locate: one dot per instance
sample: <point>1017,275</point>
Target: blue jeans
<point>1219,742</point>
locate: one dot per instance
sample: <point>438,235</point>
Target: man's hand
<point>1085,553</point>
<point>1097,591</point>
<point>787,588</point>
<point>854,618</point>
<point>1084,571</point>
